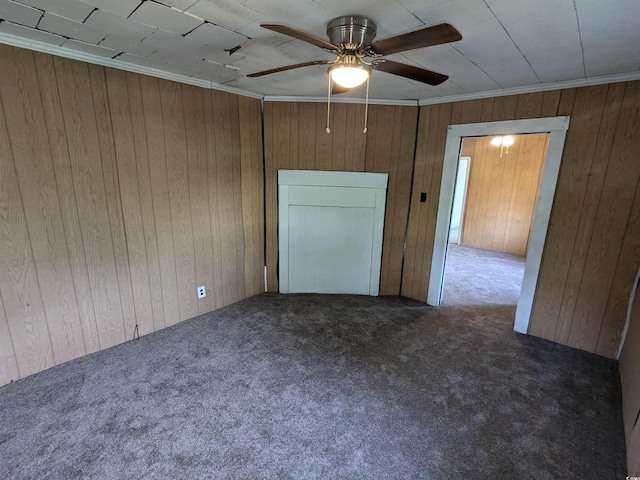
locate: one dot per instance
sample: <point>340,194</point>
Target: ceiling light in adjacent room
<point>505,141</point>
<point>502,141</point>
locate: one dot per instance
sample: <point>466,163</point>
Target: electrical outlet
<point>202,292</point>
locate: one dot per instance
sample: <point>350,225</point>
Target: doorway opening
<point>557,128</point>
<point>497,183</point>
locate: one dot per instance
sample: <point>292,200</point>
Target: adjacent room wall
<point>295,138</point>
<point>592,251</point>
<point>119,195</point>
<point>502,193</point>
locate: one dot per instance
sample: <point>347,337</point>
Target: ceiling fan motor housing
<point>351,32</point>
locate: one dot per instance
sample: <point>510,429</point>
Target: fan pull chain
<point>328,130</point>
<point>366,107</point>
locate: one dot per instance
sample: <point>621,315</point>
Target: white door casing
<point>459,200</point>
<point>330,227</point>
<point>557,128</point>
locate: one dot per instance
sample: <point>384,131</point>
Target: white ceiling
<point>506,45</point>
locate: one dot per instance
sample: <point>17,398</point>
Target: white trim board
<point>557,128</point>
<point>543,87</point>
<point>59,51</point>
<point>634,291</point>
<point>334,99</point>
<point>332,179</point>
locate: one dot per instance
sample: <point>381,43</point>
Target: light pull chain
<point>328,130</point>
<point>366,107</point>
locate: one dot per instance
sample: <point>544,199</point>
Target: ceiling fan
<point>351,37</point>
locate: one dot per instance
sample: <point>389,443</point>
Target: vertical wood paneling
<point>224,190</point>
<point>216,243</point>
<point>252,192</point>
<point>36,178</point>
<point>612,217</point>
<point>179,201</point>
<point>416,209</point>
<point>236,182</point>
<point>295,138</point>
<point>89,185</point>
<point>592,244</point>
<point>8,363</point>
<point>271,194</point>
<point>590,203</point>
<point>502,193</point>
<point>155,134</point>
<point>423,207</point>
<point>134,93</point>
<point>69,210</point>
<point>19,287</point>
<point>106,184</point>
<point>113,197</point>
<point>127,177</point>
<point>193,99</point>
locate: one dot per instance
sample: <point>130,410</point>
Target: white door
<point>330,231</point>
<point>459,197</point>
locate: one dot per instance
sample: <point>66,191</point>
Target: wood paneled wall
<point>119,195</point>
<point>295,138</point>
<point>592,250</point>
<point>630,382</point>
<point>502,193</point>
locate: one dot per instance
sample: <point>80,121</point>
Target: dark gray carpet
<point>313,386</point>
<point>481,277</point>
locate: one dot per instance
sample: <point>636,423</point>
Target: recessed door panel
<point>330,249</point>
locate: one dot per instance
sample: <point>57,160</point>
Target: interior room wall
<point>295,138</point>
<point>119,195</point>
<point>502,192</point>
<point>592,250</point>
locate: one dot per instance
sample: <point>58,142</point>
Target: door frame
<point>464,194</point>
<point>557,128</point>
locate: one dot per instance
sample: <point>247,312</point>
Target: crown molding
<point>372,101</point>
<point>51,49</point>
<point>583,82</point>
<point>56,50</point>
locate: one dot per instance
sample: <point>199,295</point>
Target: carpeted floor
<point>321,386</point>
<point>481,277</point>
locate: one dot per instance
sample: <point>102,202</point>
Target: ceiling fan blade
<point>337,89</point>
<point>426,37</point>
<point>300,35</point>
<point>414,73</point>
<point>289,67</point>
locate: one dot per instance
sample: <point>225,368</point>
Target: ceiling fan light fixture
<point>349,71</point>
<point>349,77</point>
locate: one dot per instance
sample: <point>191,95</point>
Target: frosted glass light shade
<point>347,76</point>
<point>507,141</point>
<point>496,141</point>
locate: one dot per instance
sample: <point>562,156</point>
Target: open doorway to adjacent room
<point>496,190</point>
